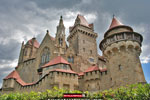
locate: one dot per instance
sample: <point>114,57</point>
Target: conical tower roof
<point>115,23</point>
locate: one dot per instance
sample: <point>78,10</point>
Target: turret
<point>28,50</point>
<point>122,47</point>
<point>21,54</point>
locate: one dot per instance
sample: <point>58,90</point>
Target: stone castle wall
<point>59,79</point>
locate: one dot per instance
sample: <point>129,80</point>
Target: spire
<point>60,27</point>
<point>61,21</point>
<point>115,22</point>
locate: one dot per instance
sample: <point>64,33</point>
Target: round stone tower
<point>122,47</point>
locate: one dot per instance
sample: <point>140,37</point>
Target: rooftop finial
<point>61,17</point>
<point>113,15</point>
<point>47,31</point>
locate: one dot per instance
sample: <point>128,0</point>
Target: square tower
<point>82,38</point>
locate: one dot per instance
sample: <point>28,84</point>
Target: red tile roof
<point>83,21</point>
<point>57,60</point>
<point>62,70</point>
<point>35,44</point>
<point>94,68</point>
<point>81,73</point>
<point>14,75</point>
<point>115,23</point>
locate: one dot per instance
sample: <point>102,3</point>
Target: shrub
<point>131,92</point>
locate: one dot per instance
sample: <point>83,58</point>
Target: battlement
<point>82,29</point>
<point>54,78</point>
<point>122,36</point>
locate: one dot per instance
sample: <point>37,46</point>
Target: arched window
<point>45,56</point>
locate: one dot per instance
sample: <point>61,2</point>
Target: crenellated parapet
<point>119,40</point>
<point>82,29</point>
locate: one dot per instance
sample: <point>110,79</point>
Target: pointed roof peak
<point>61,17</point>
<point>33,42</point>
<point>13,74</point>
<point>82,21</point>
<point>61,21</point>
<point>47,31</point>
<point>115,22</point>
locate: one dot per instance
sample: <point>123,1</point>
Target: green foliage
<point>131,92</point>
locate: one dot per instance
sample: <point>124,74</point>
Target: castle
<point>77,65</point>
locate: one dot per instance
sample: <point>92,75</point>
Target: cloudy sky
<point>21,20</point>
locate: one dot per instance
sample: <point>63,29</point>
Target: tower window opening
<point>90,51</point>
<point>60,41</point>
<point>120,67</point>
<point>83,49</point>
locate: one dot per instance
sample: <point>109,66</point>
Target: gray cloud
<point>20,20</point>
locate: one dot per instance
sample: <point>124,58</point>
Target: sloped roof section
<point>81,73</point>
<point>57,60</point>
<point>83,21</point>
<point>14,75</point>
<point>115,23</point>
<point>33,42</point>
<point>94,68</point>
<point>62,70</point>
